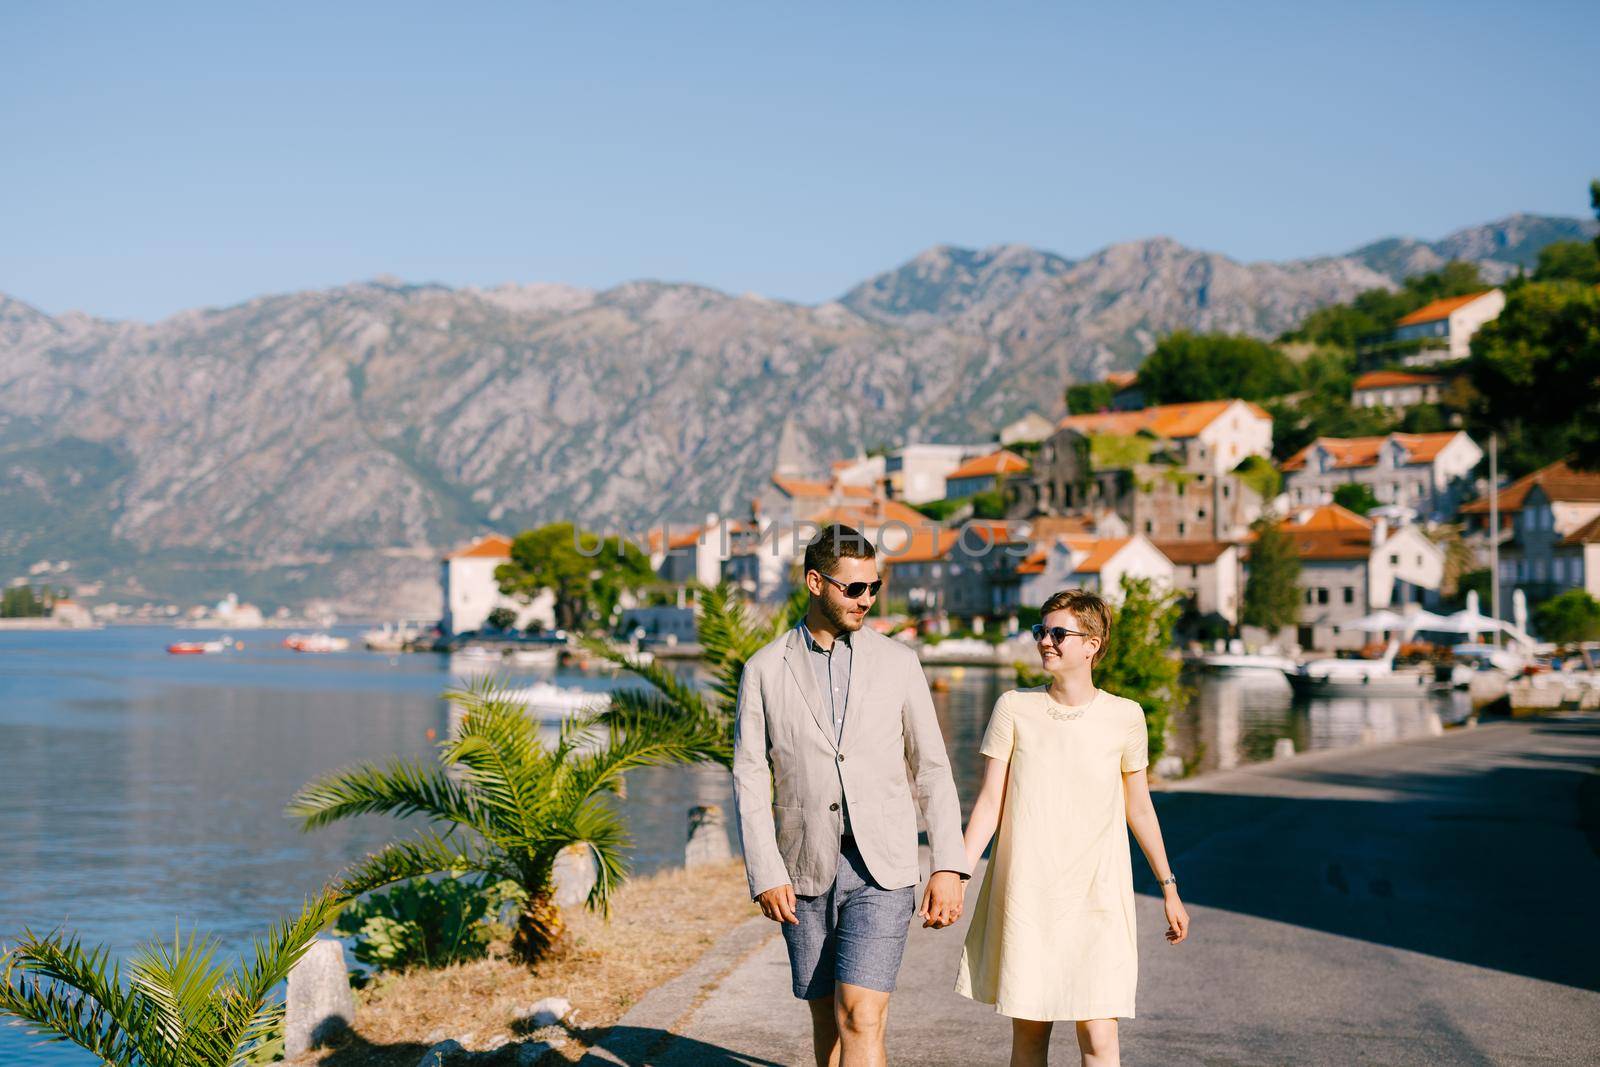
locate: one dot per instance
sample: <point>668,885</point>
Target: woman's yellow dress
<point>1052,935</point>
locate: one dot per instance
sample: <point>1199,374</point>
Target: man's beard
<point>841,617</point>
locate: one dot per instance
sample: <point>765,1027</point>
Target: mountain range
<point>330,444</point>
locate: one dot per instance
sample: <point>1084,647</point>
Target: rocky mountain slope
<point>330,443</point>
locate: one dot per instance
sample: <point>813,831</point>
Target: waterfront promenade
<point>1417,903</point>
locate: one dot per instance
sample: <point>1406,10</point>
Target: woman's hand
<point>1177,917</point>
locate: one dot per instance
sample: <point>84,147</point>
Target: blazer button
<point>833,807</point>
<point>841,757</point>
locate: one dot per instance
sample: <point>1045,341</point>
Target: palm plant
<point>179,1009</point>
<point>729,635</point>
<point>511,802</point>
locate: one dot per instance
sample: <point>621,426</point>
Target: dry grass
<point>659,926</point>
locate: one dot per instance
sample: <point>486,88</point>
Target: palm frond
<point>499,747</point>
<point>181,983</point>
<point>425,854</point>
<point>729,637</point>
<point>61,992</point>
<point>638,711</point>
<point>402,788</point>
<point>668,682</point>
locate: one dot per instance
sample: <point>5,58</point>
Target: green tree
<point>1357,496</point>
<point>584,572</point>
<point>1272,590</point>
<point>516,802</point>
<point>1376,310</point>
<point>1139,662</point>
<point>1187,366</point>
<point>501,618</point>
<point>1568,618</point>
<point>1537,366</point>
<point>729,634</point>
<point>1577,261</point>
<point>21,602</point>
<point>1258,473</point>
<point>180,1009</point>
<point>1085,398</point>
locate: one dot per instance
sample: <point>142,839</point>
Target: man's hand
<point>777,904</point>
<point>941,901</point>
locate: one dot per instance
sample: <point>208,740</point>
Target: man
<point>839,718</point>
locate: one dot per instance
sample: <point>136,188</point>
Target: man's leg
<point>863,1016</point>
<point>824,1031</point>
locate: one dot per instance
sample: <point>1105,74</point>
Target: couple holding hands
<point>837,751</point>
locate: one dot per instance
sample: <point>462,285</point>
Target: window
<point>1149,526</point>
<point>1349,594</point>
<point>1394,559</point>
<point>1200,514</point>
<point>1308,596</point>
<point>1194,570</point>
<point>1181,528</point>
<point>1225,488</point>
<point>1322,596</point>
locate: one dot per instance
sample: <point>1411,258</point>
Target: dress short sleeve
<point>997,739</point>
<point>1136,748</point>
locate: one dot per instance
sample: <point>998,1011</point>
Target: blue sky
<point>160,157</point>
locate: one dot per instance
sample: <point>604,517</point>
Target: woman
<point>1052,936</point>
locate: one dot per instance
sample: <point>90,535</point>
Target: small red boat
<point>187,648</point>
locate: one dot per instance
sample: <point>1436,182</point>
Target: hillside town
<point>971,533</point>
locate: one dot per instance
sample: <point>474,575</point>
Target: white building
<point>1211,435</point>
<point>1210,573</point>
<point>1095,564</point>
<point>1395,389</point>
<point>471,592</point>
<point>1436,332</point>
<point>916,473</point>
<point>1350,567</point>
<point>1430,473</point>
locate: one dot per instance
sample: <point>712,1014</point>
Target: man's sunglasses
<point>853,590</point>
<point>1057,634</point>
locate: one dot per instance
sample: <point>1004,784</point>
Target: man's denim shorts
<point>855,933</point>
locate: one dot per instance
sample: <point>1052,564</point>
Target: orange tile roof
<point>492,546</point>
<point>1330,533</point>
<point>1350,452</point>
<point>1382,379</point>
<point>1587,534</point>
<point>926,544</point>
<point>1440,309</point>
<point>1101,554</point>
<point>1121,379</point>
<point>1164,420</point>
<point>1192,553</point>
<point>1559,482</point>
<point>1048,526</point>
<point>801,487</point>
<point>874,512</point>
<point>1034,563</point>
<point>1004,461</point>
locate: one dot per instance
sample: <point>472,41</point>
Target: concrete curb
<point>649,1025</point>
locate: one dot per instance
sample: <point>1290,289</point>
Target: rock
<point>1283,748</point>
<point>708,837</point>
<point>443,1054</point>
<point>548,1012</point>
<point>574,875</point>
<point>319,1003</point>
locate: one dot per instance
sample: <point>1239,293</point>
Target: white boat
<point>545,656</point>
<point>958,650</point>
<point>316,643</point>
<point>545,700</point>
<point>1347,677</point>
<point>1266,661</point>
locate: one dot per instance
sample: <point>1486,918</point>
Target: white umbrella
<point>1377,622</point>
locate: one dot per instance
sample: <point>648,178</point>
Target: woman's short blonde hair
<point>1092,613</point>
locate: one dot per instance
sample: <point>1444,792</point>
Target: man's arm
<point>752,790</point>
<point>930,772</point>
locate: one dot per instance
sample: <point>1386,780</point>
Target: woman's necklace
<point>1064,712</point>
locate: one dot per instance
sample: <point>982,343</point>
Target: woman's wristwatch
<point>1172,880</point>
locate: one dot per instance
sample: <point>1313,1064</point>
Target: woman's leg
<point>1097,1041</point>
<point>1030,1043</point>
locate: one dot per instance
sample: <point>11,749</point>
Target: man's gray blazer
<point>889,764</point>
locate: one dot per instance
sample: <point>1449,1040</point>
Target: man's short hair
<point>1092,613</point>
<point>833,543</point>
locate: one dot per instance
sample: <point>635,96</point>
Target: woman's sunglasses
<point>853,590</point>
<point>1057,634</point>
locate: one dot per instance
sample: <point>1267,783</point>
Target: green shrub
<point>426,922</point>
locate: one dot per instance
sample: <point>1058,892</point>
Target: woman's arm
<point>985,818</point>
<point>1147,831</point>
